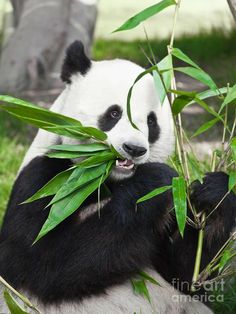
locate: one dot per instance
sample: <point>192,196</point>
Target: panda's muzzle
<point>134,150</point>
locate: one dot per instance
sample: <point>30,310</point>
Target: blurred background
<point>34,35</point>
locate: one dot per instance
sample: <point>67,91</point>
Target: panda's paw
<point>213,198</point>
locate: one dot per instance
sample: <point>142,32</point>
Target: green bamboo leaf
<point>147,277</point>
<point>212,93</point>
<point>97,159</point>
<point>231,96</point>
<point>196,168</point>
<point>188,98</point>
<point>78,178</point>
<point>13,305</point>
<point>225,258</point>
<point>93,147</point>
<point>233,147</point>
<point>140,288</point>
<point>93,132</point>
<point>232,181</point>
<point>144,15</point>
<point>27,110</point>
<point>128,105</point>
<point>206,126</point>
<point>182,56</point>
<point>161,89</point>
<point>69,131</point>
<point>180,203</point>
<point>153,193</point>
<point>68,205</point>
<point>205,106</point>
<point>180,104</point>
<point>68,155</point>
<point>198,75</point>
<point>182,101</point>
<point>52,186</point>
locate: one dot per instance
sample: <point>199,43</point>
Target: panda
<point>86,264</point>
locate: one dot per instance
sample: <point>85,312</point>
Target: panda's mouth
<point>125,164</point>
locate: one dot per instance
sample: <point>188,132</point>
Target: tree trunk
<point>232,5</point>
<point>17,10</point>
<point>33,54</point>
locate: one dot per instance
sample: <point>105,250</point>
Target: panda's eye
<point>115,114</point>
<point>151,121</point>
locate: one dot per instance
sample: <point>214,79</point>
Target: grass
<point>13,145</point>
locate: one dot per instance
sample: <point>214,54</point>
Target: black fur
<point>80,258</point>
<point>75,61</point>
<point>106,122</point>
<point>153,127</point>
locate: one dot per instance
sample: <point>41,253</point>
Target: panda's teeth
<point>125,164</point>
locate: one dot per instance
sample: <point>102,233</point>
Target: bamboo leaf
<point>197,173</point>
<point>52,186</point>
<point>93,147</point>
<point>182,56</point>
<point>68,131</point>
<point>233,147</point>
<point>154,193</point>
<point>13,305</point>
<point>212,93</point>
<point>144,15</point>
<point>165,63</point>
<point>189,98</point>
<point>231,96</point>
<point>128,105</point>
<point>140,288</point>
<point>68,155</point>
<point>206,126</point>
<point>77,179</point>
<point>198,75</point>
<point>147,277</point>
<point>97,159</point>
<point>232,181</point>
<point>68,205</point>
<point>27,110</point>
<point>225,258</point>
<point>180,203</point>
<point>93,132</point>
<point>181,102</point>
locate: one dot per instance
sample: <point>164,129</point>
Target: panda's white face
<point>99,99</point>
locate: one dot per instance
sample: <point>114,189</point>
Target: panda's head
<point>96,94</point>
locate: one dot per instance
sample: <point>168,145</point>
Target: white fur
<point>122,300</point>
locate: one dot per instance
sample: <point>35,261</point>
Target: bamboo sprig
<point>20,296</point>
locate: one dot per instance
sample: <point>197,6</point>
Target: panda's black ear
<point>75,61</point>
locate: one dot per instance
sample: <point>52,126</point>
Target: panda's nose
<point>134,150</point>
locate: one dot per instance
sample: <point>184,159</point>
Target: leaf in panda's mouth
<point>125,164</point>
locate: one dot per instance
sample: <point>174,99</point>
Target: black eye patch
<point>153,127</point>
<point>110,118</point>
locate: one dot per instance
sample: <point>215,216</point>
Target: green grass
<point>13,145</point>
<point>11,154</point>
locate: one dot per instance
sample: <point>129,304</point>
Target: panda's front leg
<point>107,250</point>
<point>219,205</point>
